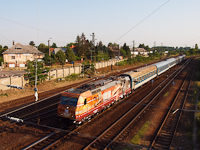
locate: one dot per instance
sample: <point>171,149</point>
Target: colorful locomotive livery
<point>87,100</point>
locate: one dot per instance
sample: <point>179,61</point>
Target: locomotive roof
<point>95,86</point>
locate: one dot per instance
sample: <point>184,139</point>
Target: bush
<point>121,63</point>
<point>71,77</point>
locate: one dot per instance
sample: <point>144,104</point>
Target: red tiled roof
<point>51,49</point>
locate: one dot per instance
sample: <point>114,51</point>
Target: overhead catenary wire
<point>35,28</point>
<point>141,21</point>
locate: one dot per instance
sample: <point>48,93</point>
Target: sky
<point>150,22</point>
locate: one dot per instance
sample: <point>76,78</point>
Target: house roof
<point>140,50</point>
<point>62,49</point>
<point>52,49</point>
<point>22,49</point>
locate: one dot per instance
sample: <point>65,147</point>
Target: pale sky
<point>165,22</point>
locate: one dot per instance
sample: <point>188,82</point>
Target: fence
<point>12,80</point>
<point>53,74</point>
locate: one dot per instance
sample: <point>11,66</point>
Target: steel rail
<point>167,116</point>
<point>100,136</point>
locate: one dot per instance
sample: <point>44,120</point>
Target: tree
<point>145,47</point>
<point>196,47</point>
<point>1,59</point>
<point>192,51</point>
<point>2,49</point>
<point>48,60</point>
<point>123,52</point>
<point>70,54</point>
<point>61,57</point>
<point>31,43</point>
<point>54,45</point>
<point>42,72</point>
<point>83,46</point>
<point>43,48</point>
<point>127,50</point>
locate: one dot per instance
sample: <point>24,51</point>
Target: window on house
<point>12,57</point>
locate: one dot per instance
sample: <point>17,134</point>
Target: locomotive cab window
<point>68,101</point>
<point>85,101</point>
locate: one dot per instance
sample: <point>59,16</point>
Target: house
<point>140,51</point>
<point>55,50</point>
<point>18,54</point>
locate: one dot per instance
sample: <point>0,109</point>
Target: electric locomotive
<point>87,100</point>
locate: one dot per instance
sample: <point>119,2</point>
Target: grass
<point>72,77</point>
<point>166,94</point>
<point>198,84</point>
<point>136,139</point>
<point>5,94</point>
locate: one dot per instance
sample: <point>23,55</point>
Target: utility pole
<point>133,47</point>
<point>49,47</point>
<point>93,45</point>
<point>154,45</point>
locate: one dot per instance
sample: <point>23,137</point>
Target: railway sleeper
<point>11,130</point>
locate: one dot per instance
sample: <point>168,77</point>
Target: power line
<point>142,20</point>
<point>35,28</point>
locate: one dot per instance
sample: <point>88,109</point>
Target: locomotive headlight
<point>67,107</point>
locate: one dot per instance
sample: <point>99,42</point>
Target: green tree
<point>127,50</point>
<point>43,48</point>
<point>31,43</point>
<point>70,54</point>
<point>42,72</point>
<point>48,60</point>
<point>5,47</point>
<point>192,51</point>
<point>196,47</point>
<point>123,52</point>
<point>83,46</point>
<point>2,49</point>
<point>145,47</point>
<point>61,57</point>
<point>54,45</point>
<point>1,59</point>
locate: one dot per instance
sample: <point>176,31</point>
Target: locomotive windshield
<point>68,101</point>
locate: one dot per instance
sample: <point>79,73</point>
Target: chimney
<point>13,42</point>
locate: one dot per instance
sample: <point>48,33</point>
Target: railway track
<point>167,129</point>
<point>115,129</point>
<point>27,116</point>
<point>115,132</point>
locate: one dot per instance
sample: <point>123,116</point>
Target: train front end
<point>67,105</point>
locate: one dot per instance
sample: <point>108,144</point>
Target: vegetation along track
<point>167,128</point>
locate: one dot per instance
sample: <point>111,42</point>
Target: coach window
<point>85,102</point>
